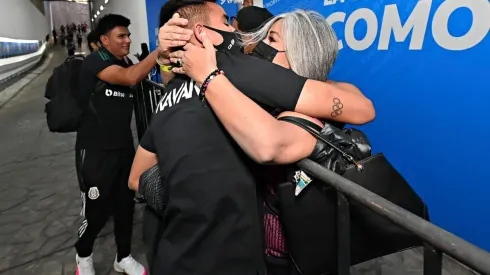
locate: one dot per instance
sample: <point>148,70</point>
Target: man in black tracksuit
<point>104,147</point>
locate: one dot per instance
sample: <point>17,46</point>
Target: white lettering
<point>231,1</point>
<point>332,2</point>
<point>271,3</point>
<point>177,94</point>
<point>174,96</point>
<point>416,23</point>
<point>110,93</point>
<point>480,9</point>
<point>186,91</point>
<point>372,29</point>
<point>160,105</point>
<point>167,101</point>
<point>231,44</point>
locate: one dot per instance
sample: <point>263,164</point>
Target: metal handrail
<point>156,85</point>
<point>443,241</point>
<point>463,251</point>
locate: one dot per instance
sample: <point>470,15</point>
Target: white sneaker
<point>85,266</point>
<point>129,266</point>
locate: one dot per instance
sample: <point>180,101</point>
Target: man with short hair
<point>93,41</point>
<point>210,224</point>
<point>104,146</point>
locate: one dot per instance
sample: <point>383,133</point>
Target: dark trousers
<point>103,176</point>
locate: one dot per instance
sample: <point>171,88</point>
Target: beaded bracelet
<point>205,83</point>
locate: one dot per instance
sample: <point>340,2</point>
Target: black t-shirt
<point>211,221</point>
<point>107,108</point>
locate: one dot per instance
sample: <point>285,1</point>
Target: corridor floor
<point>39,194</point>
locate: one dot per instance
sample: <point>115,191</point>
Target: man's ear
<point>198,28</point>
<point>215,37</point>
<point>104,40</point>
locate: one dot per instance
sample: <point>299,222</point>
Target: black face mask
<point>264,51</point>
<point>230,41</point>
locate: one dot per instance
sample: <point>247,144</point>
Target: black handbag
<point>309,219</point>
<point>152,190</point>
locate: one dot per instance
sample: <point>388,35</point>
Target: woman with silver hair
<point>302,41</point>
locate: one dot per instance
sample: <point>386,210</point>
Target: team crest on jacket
<point>93,193</point>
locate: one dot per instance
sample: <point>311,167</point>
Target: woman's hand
<point>197,62</point>
<point>173,34</point>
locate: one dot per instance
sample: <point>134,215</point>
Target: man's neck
<point>194,41</point>
<point>117,57</point>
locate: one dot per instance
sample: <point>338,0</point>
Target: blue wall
<point>430,90</point>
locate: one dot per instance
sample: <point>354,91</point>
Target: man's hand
<point>173,34</point>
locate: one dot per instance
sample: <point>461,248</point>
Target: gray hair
<point>310,42</point>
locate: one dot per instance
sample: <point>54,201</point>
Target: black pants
<point>153,227</point>
<point>103,176</point>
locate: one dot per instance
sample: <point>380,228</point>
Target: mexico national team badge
<point>302,180</point>
<point>93,193</point>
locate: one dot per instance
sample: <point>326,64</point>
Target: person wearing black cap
<point>210,224</point>
<point>251,18</point>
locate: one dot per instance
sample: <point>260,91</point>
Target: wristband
<point>205,83</point>
<point>166,68</point>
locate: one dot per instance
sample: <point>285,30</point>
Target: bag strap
<point>312,128</point>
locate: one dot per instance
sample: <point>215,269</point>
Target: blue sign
<point>11,49</point>
<point>425,65</point>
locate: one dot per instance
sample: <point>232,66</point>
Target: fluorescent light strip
<point>5,39</point>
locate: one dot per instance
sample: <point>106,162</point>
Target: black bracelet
<point>205,83</point>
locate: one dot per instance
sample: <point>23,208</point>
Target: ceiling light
<point>106,1</point>
<point>95,16</point>
<point>101,8</point>
<point>93,20</point>
<point>98,12</point>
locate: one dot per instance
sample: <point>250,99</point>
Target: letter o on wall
<point>372,29</point>
<point>480,10</point>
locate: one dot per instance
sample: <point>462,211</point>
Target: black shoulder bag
<point>309,219</point>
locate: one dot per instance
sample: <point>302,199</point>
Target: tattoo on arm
<point>337,107</point>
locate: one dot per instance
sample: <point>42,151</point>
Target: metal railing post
<point>432,261</point>
<point>343,235</point>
